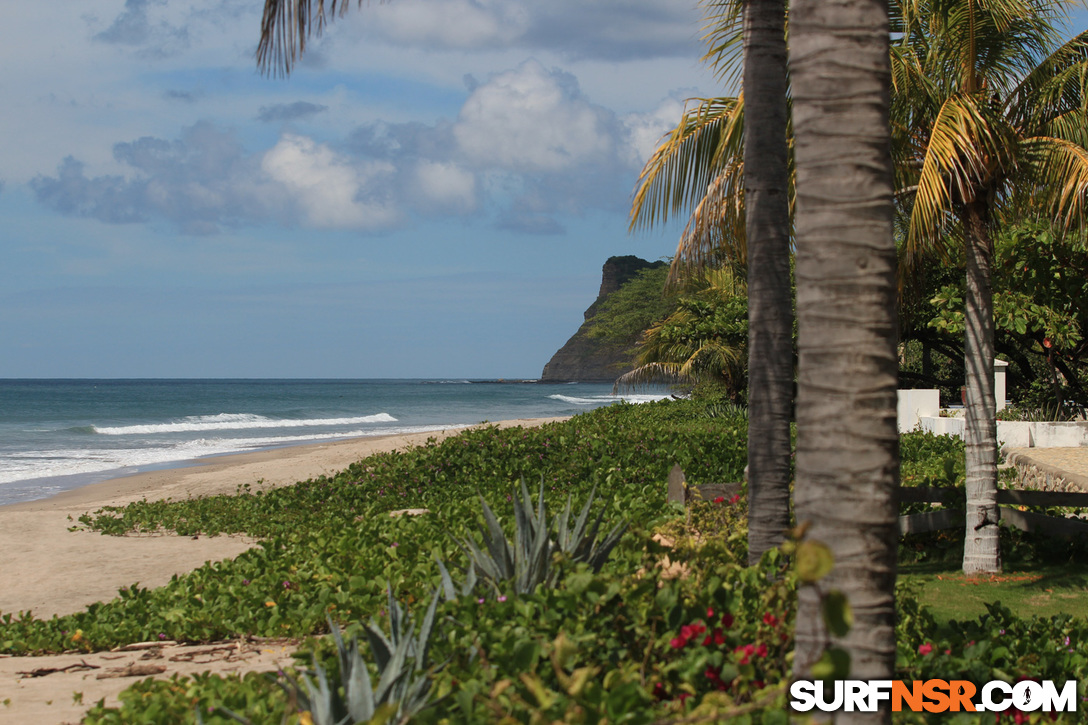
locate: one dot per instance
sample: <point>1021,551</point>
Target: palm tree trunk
<point>847,442</point>
<point>770,303</point>
<point>981,553</point>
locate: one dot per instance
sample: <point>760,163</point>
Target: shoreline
<point>51,570</point>
<point>222,473</point>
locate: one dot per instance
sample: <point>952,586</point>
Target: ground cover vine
<point>639,641</point>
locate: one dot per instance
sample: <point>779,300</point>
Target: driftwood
<point>136,669</point>
<point>43,671</point>
<point>136,646</point>
<point>223,653</point>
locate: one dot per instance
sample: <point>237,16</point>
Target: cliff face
<point>586,359</point>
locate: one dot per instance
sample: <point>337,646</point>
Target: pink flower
<point>924,649</point>
<point>678,642</point>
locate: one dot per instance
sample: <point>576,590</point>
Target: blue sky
<point>432,192</point>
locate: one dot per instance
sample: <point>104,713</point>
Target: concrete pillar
<point>999,383</point>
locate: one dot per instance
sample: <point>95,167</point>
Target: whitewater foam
<point>236,421</point>
<point>598,399</point>
<point>29,465</point>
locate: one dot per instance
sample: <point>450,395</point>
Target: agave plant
<point>529,560</point>
<point>403,687</point>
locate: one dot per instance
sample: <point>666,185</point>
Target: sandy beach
<point>49,569</point>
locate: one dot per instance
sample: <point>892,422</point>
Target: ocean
<point>57,435</point>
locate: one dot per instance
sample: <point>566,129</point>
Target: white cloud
<point>331,192</point>
<point>447,186</point>
<point>533,119</point>
<point>644,130</point>
<point>612,29</point>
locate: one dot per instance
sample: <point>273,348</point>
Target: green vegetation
<point>642,639</point>
<point>1040,282</point>
<point>634,307</point>
<point>703,342</point>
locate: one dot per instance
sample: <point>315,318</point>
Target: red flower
<point>727,620</point>
<point>715,637</point>
<point>715,678</point>
<point>735,498</point>
<point>770,619</point>
<point>709,614</point>
<point>659,691</point>
<point>748,650</point>
<point>924,649</point>
<point>678,642</point>
<point>720,499</point>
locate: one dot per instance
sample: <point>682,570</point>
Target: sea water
<point>61,434</point>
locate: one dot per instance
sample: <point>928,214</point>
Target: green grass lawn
<point>1043,590</point>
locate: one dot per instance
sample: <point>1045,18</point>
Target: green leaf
<point>834,664</point>
<point>814,560</point>
<point>838,615</point>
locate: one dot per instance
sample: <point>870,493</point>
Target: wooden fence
<point>1009,509</point>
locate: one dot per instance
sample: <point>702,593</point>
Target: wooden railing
<point>1059,526</point>
<point>944,518</point>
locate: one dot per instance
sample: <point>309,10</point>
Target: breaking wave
<point>236,421</point>
<point>599,399</point>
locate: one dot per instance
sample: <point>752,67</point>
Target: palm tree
<point>847,442</point>
<point>770,293</point>
<point>719,150</point>
<point>702,341</point>
<point>989,126</point>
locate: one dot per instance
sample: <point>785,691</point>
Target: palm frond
<point>286,25</point>
<point>715,234</point>
<point>687,160</point>
<point>656,373</point>
<point>1054,88</point>
<point>967,145</point>
<point>724,39</point>
<point>1055,181</point>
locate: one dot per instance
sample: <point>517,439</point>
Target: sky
<point>431,193</point>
